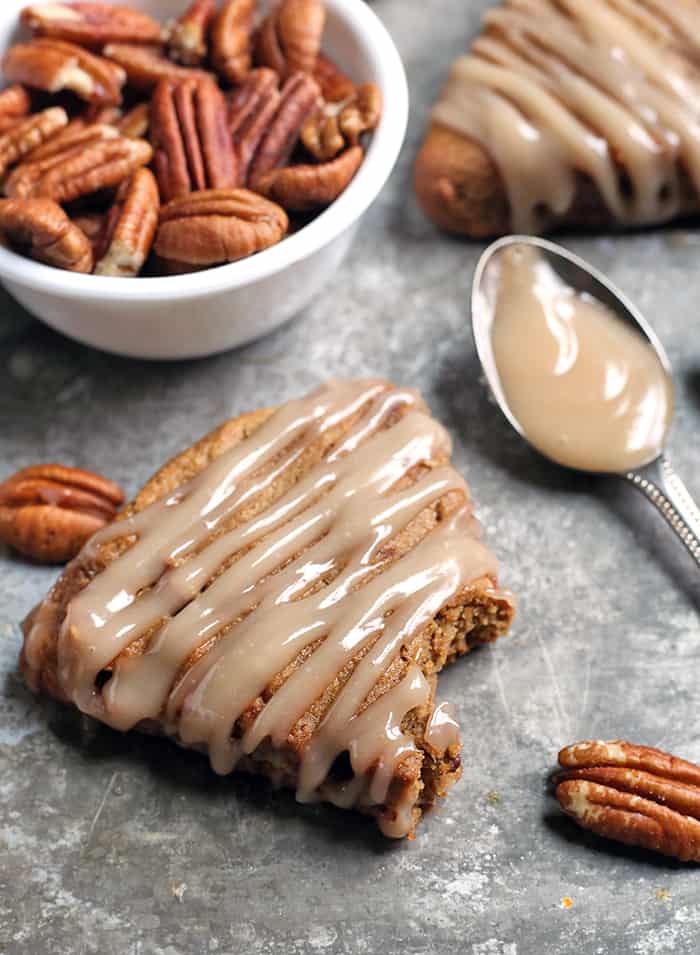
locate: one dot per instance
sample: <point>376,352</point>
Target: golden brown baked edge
<point>458,185</point>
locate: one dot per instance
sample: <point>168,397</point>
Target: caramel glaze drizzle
<point>257,615</point>
<point>605,88</point>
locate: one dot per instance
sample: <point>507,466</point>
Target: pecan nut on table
<point>632,794</point>
<point>110,117</point>
<point>47,512</point>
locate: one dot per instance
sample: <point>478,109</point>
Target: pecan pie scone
<point>282,595</point>
<point>568,112</point>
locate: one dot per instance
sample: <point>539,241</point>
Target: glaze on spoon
<point>578,371</point>
<point>589,391</point>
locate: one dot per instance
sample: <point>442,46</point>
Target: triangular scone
<point>282,596</point>
<point>568,112</point>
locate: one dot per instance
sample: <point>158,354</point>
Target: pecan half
<point>131,226</point>
<point>191,140</point>
<point>20,183</point>
<point>93,224</point>
<point>307,187</point>
<point>53,65</point>
<point>251,108</point>
<point>28,134</point>
<point>217,226</point>
<point>136,122</point>
<point>321,134</point>
<point>76,133</point>
<point>14,105</point>
<point>81,170</point>
<point>298,99</point>
<point>49,511</point>
<point>94,113</point>
<point>361,114</point>
<point>290,36</point>
<point>335,85</point>
<point>232,40</point>
<point>186,38</point>
<point>334,126</point>
<point>633,794</point>
<point>90,24</point>
<point>40,229</point>
<point>145,66</point>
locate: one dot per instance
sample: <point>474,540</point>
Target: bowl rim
<point>378,163</point>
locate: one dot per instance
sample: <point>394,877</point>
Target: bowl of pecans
<point>176,182</point>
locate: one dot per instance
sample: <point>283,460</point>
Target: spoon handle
<point>661,485</point>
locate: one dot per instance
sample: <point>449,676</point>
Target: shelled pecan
<point>76,133</point>
<point>14,105</point>
<point>131,226</point>
<point>49,511</point>
<point>290,36</point>
<point>250,113</point>
<point>186,37</point>
<point>145,66</point>
<point>136,122</point>
<point>81,171</point>
<point>217,226</point>
<point>335,126</point>
<point>304,188</point>
<point>633,794</point>
<point>90,24</point>
<point>21,183</point>
<point>335,85</point>
<point>321,134</point>
<point>94,113</point>
<point>93,225</point>
<point>27,135</point>
<point>54,65</point>
<point>191,141</point>
<point>298,99</point>
<point>361,114</point>
<point>40,229</point>
<point>232,40</point>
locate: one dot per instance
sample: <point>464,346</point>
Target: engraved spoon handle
<point>661,485</point>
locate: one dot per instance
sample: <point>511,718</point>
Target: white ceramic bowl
<point>189,316</point>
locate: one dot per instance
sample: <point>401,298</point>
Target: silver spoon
<point>656,479</point>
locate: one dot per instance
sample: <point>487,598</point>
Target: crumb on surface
<point>179,890</point>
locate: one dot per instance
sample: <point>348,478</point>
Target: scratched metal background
<point>128,846</point>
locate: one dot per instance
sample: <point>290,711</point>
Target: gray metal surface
<point>120,844</point>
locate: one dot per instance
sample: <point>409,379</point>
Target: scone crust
<point>459,186</point>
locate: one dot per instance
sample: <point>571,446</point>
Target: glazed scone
<point>282,596</point>
<point>567,113</point>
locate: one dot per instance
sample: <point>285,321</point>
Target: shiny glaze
<point>587,389</point>
<point>553,89</point>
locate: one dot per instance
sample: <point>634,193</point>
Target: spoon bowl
<point>574,272</point>
<point>652,474</point>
